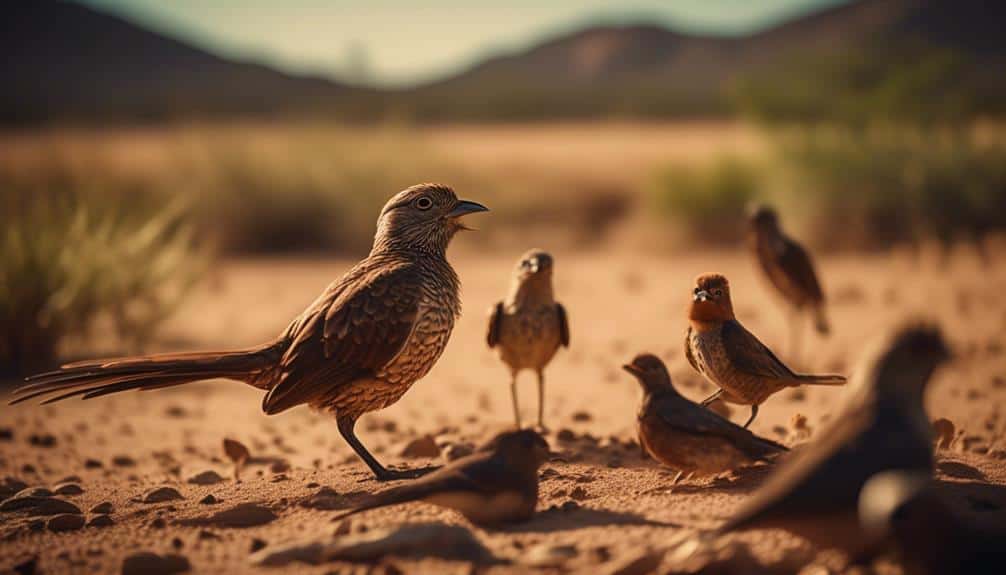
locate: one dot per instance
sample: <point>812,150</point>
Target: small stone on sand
<point>149,563</point>
<point>208,477</point>
<point>65,522</point>
<point>161,494</point>
<point>425,446</point>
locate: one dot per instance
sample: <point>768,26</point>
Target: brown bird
<point>929,534</point>
<point>787,266</point>
<point>814,493</point>
<point>728,355</point>
<point>358,348</point>
<point>529,325</point>
<point>496,484</point>
<point>685,436</point>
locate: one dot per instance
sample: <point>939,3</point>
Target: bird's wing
<point>751,356</point>
<point>686,416</point>
<point>563,324</point>
<point>495,324</point>
<point>688,350</point>
<point>797,265</point>
<point>353,330</point>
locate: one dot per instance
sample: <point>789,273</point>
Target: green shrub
<point>64,267</point>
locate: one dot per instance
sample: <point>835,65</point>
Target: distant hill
<point>68,62</point>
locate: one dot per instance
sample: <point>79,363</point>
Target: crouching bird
<point>496,484</point>
<point>815,492</point>
<point>358,348</point>
<point>685,436</point>
<point>729,356</point>
<point>528,327</point>
<point>788,268</point>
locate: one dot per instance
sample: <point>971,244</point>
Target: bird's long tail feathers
<point>95,378</point>
<point>820,380</point>
<point>393,496</point>
<point>821,323</point>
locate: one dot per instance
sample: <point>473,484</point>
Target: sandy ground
<point>599,497</point>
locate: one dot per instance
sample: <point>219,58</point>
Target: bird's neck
<point>531,292</point>
<point>707,315</point>
<point>384,244</point>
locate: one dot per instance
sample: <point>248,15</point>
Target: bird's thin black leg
<point>754,412</point>
<point>541,400</point>
<point>712,398</point>
<point>513,396</point>
<point>381,473</point>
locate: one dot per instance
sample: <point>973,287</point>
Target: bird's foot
<point>398,474</point>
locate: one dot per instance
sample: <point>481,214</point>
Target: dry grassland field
<point>603,508</point>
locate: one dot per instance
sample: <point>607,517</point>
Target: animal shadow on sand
<point>557,519</point>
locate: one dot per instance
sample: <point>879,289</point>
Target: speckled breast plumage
<point>713,362</point>
<point>529,336</point>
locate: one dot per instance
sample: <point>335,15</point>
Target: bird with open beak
<point>729,356</point>
<point>528,327</point>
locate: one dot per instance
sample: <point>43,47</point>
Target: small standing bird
<point>718,347</point>
<point>884,426</point>
<point>496,484</point>
<point>931,537</point>
<point>358,348</point>
<point>529,325</point>
<point>685,436</point>
<point>787,266</point>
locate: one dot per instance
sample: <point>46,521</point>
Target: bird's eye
<point>718,292</point>
<point>424,203</point>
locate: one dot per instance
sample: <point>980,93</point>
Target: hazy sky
<point>400,42</point>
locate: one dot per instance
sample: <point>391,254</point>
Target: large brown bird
<point>814,493</point>
<point>931,536</point>
<point>358,348</point>
<point>718,347</point>
<point>529,325</point>
<point>684,435</point>
<point>496,484</point>
<point>788,268</point>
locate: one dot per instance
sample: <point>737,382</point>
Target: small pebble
<point>160,494</point>
<point>100,521</point>
<point>148,563</point>
<point>209,500</point>
<point>104,507</point>
<point>65,522</point>
<point>68,489</point>
<point>123,461</point>
<point>208,477</point>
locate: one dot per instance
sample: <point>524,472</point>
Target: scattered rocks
<point>208,477</point>
<point>279,466</point>
<point>123,461</point>
<point>103,507</point>
<point>11,486</point>
<point>39,506</point>
<point>801,430</point>
<point>42,440</point>
<point>582,416</point>
<point>6,434</point>
<point>565,434</point>
<point>326,498</point>
<point>425,446</point>
<point>257,545</point>
<point>546,555</point>
<point>237,453</point>
<point>34,492</point>
<point>209,500</point>
<point>944,433</point>
<point>579,493</point>
<point>93,464</point>
<point>161,494</point>
<point>65,522</point>
<point>100,521</point>
<point>149,563</point>
<point>68,489</point>
<point>414,540</point>
<point>241,515</point>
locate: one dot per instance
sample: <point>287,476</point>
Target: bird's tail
<point>821,323</point>
<point>95,378</point>
<point>766,449</point>
<point>820,380</point>
<point>393,496</point>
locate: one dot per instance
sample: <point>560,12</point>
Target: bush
<point>65,267</point>
<point>707,203</point>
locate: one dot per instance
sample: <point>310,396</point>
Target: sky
<point>401,42</point>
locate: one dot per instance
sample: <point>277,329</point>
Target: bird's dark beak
<point>632,369</point>
<point>465,207</point>
<point>701,295</point>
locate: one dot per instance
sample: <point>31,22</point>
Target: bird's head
<point>650,372</point>
<point>423,217</point>
<point>534,263</point>
<point>524,447</point>
<point>763,218</point>
<point>906,359</point>
<point>711,299</point>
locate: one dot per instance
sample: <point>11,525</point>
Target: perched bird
<point>904,508</point>
<point>529,325</point>
<point>358,348</point>
<point>815,492</point>
<point>685,436</point>
<point>718,347</point>
<point>496,484</point>
<point>787,266</point>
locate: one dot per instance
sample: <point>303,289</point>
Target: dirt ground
<point>602,507</point>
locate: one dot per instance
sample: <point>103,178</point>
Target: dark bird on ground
<point>815,492</point>
<point>718,347</point>
<point>788,268</point>
<point>496,484</point>
<point>528,327</point>
<point>685,436</point>
<point>358,348</point>
<point>904,509</point>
